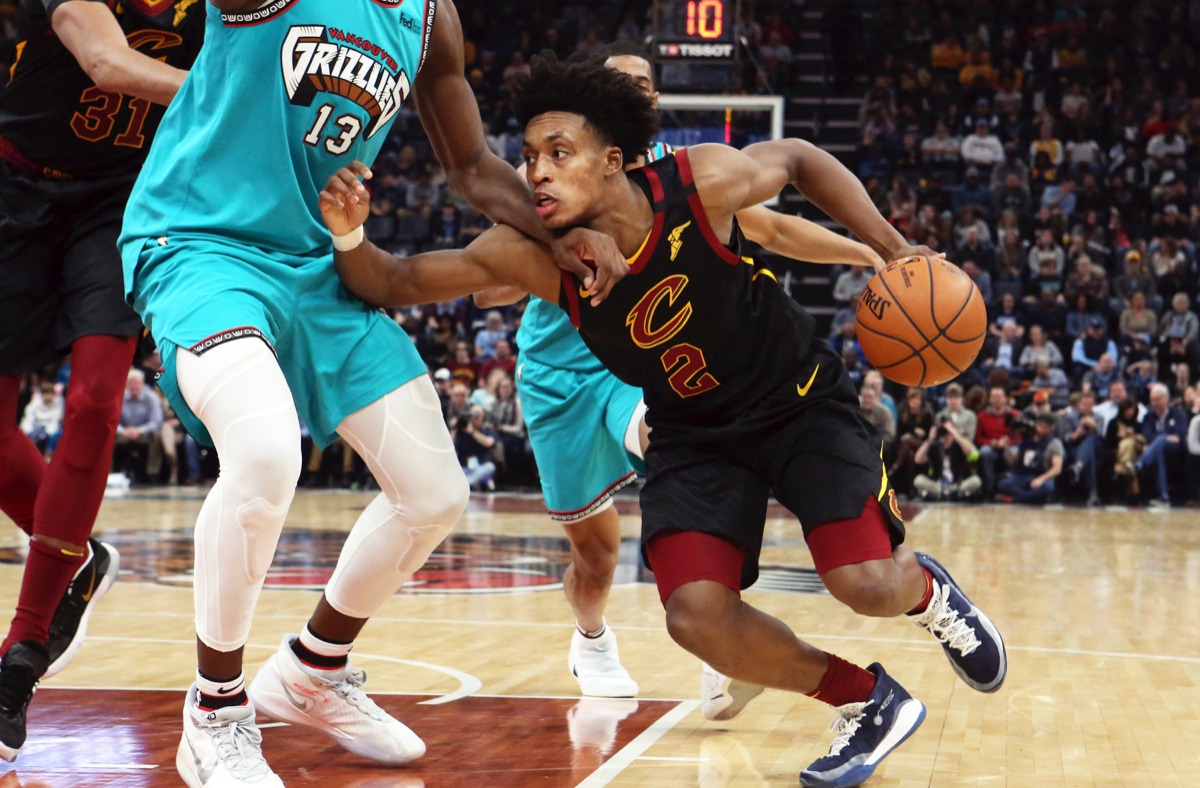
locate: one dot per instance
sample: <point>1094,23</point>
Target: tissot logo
<point>314,63</point>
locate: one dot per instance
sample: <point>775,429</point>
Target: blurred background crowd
<point>1050,147</point>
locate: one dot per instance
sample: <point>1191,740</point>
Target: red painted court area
<point>94,738</point>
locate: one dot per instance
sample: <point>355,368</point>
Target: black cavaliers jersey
<point>704,330</point>
<point>55,121</point>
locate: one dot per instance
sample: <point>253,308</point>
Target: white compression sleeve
<point>238,390</point>
<point>404,441</point>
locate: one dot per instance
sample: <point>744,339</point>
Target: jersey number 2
<point>348,129</point>
<point>684,364</point>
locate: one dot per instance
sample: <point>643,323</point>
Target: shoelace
<point>846,724</point>
<point>946,624</point>
<point>351,689</point>
<point>239,748</point>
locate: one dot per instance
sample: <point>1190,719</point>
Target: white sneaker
<point>596,665</point>
<point>334,703</point>
<point>222,748</point>
<point>724,698</point>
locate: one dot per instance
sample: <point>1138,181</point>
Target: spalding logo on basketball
<point>921,321</point>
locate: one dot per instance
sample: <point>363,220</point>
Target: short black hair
<point>609,101</point>
<point>624,48</point>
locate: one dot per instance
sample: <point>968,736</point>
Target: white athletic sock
<point>324,649</point>
<point>595,634</point>
<point>218,689</point>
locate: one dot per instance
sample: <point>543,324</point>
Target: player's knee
<point>596,558</point>
<point>90,417</point>
<point>264,463</point>
<point>441,501</point>
<point>869,589</point>
<point>696,618</point>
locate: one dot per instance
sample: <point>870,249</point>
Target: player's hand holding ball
<point>345,202</point>
<point>921,320</point>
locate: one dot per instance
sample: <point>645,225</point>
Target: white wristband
<point>350,241</point>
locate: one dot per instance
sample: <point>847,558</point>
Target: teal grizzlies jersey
<point>278,100</point>
<point>546,334</point>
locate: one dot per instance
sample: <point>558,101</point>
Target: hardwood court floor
<point>1100,610</point>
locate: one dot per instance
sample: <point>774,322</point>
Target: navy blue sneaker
<point>866,733</point>
<point>970,639</point>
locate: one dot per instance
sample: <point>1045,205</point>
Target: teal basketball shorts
<point>577,425</point>
<point>337,354</point>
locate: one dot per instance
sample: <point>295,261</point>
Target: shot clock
<point>697,30</point>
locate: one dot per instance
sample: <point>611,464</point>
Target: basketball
<point>921,321</point>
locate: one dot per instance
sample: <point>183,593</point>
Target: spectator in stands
<point>141,424</point>
<point>1166,146</point>
<point>993,436</point>
<point>1124,442</point>
<point>975,248</point>
<point>974,195</point>
<point>1165,430</point>
<point>1047,280</point>
<point>913,425</point>
<point>874,411</point>
<point>1037,462</point>
<point>458,405</point>
<point>942,154</point>
<point>1010,195</point>
<point>1080,434</point>
<point>963,417</point>
<point>1137,318</point>
<point>1013,164</point>
<point>475,442</point>
<point>1086,280</point>
<point>1101,377</point>
<point>462,365</point>
<point>1088,349</point>
<point>1004,351</point>
<point>982,148</point>
<point>1052,382</point>
<point>1060,198</point>
<point>43,417</point>
<point>850,284</point>
<point>509,420</point>
<point>1042,174</point>
<point>1193,458</point>
<point>1180,318</point>
<point>944,464</point>
<point>1083,312</point>
<point>502,360</point>
<point>1046,249</point>
<point>441,384</point>
<point>1047,143</point>
<point>981,278</point>
<point>1177,351</point>
<point>1039,352</point>
<point>1135,279</point>
<point>1006,312</point>
<point>493,332</point>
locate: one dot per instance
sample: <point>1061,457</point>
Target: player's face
<point>638,70</point>
<point>566,165</point>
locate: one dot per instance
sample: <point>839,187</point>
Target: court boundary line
<point>624,757</point>
<point>809,636</point>
<point>467,684</point>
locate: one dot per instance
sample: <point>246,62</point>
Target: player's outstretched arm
<point>451,119</point>
<point>94,37</point>
<point>501,256</point>
<point>729,180</point>
<point>800,239</point>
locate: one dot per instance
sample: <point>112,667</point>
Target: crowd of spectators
<point>1051,149</point>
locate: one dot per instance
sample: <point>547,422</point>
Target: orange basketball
<point>921,321</point>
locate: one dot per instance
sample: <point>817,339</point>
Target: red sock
<point>23,464</point>
<point>844,683</point>
<point>928,595</point>
<point>74,483</point>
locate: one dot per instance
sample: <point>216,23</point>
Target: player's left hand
<point>580,244</point>
<point>345,202</point>
<point>914,251</point>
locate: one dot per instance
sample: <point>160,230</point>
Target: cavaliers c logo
<point>641,318</point>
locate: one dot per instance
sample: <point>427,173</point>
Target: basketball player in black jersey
<point>743,401</point>
<point>85,95</point>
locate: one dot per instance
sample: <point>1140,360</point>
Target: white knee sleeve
<point>239,392</point>
<point>404,442</point>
